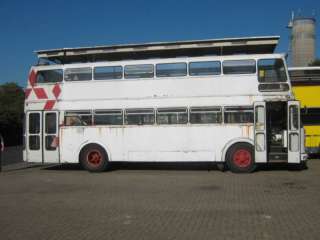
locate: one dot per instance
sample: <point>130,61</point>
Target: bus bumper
<point>303,157</point>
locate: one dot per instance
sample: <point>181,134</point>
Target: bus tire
<point>240,158</point>
<point>94,158</point>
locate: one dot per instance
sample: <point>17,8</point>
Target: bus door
<point>50,137</point>
<point>293,132</point>
<point>34,136</point>
<point>260,139</point>
<point>42,137</point>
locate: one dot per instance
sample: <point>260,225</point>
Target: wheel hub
<point>242,158</point>
<point>94,158</point>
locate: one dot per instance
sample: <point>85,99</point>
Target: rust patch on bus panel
<point>251,100</point>
<point>246,131</point>
<point>99,131</point>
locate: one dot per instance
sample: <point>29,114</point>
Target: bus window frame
<point>49,69</point>
<point>235,60</point>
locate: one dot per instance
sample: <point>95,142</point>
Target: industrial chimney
<point>303,38</point>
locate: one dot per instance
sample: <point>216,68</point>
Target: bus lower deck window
<point>139,117</point>
<point>203,115</point>
<point>238,114</point>
<point>81,118</point>
<point>172,116</point>
<point>108,117</point>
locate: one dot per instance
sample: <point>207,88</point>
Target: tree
<point>316,62</point>
<point>11,112</point>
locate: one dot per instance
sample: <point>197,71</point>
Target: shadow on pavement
<point>63,167</point>
<point>141,166</point>
<point>281,167</point>
<point>181,166</point>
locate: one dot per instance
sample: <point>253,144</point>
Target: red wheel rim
<point>94,158</point>
<point>242,158</point>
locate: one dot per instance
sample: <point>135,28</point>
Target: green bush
<point>11,113</point>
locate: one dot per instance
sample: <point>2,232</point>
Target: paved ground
<point>159,203</point>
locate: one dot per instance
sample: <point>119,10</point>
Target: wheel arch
<point>231,143</point>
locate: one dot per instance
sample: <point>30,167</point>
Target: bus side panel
<point>312,135</point>
<point>153,143</point>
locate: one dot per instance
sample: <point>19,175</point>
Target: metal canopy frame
<point>225,46</point>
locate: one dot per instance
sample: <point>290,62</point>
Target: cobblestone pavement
<point>69,203</point>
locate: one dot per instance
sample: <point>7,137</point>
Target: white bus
<point>237,111</point>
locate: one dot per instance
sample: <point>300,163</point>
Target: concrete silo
<point>303,38</point>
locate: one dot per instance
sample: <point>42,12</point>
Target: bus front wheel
<point>240,158</point>
<point>94,158</point>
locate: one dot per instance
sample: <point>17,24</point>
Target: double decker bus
<point>234,110</point>
<point>306,88</point>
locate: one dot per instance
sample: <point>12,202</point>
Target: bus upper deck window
<point>78,74</point>
<point>49,76</point>
<point>108,73</point>
<point>139,71</point>
<point>171,69</point>
<point>246,66</point>
<point>204,68</point>
<point>271,70</point>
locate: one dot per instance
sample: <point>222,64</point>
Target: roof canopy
<point>225,46</point>
<point>304,75</point>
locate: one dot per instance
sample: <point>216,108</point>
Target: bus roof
<point>224,46</point>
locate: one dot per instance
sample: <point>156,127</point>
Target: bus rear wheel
<point>94,158</point>
<point>240,158</point>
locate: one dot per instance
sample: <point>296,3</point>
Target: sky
<point>26,26</point>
